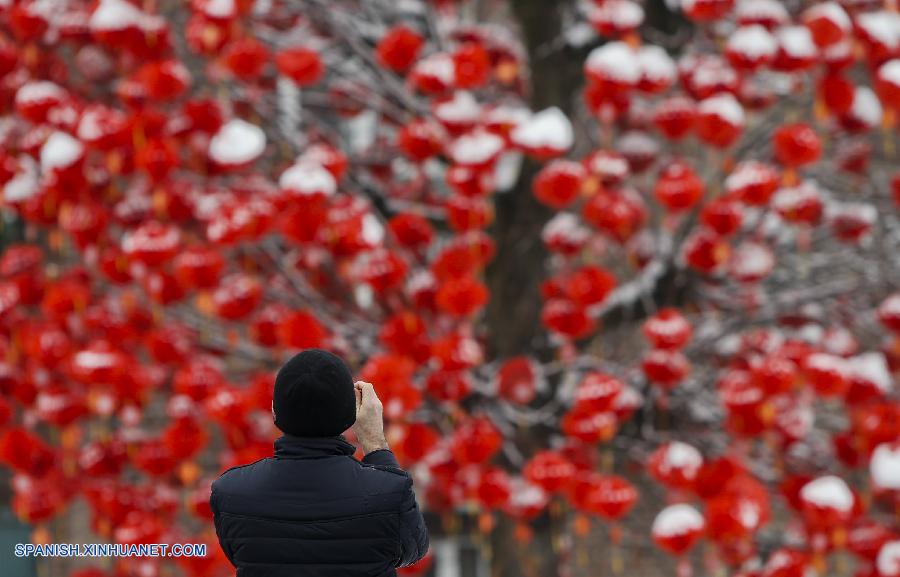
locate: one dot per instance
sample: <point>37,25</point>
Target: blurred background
<point>624,273</point>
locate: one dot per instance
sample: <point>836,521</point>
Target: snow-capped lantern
<point>888,560</point>
<point>619,214</point>
<point>399,48</point>
<point>307,179</point>
<point>720,120</point>
<point>751,262</point>
<point>705,75</point>
<point>62,155</point>
<point>675,117</point>
<point>153,243</point>
<point>799,204</point>
<point>796,49</point>
<point>678,187</point>
<point>828,23</point>
<point>851,221</point>
<point>865,112</point>
<point>884,467</point>
<point>613,66</point>
<point>236,145</point>
<point>615,18</point>
<point>667,329</point>
<point>478,148</point>
<point>766,13</point>
<point>827,374</point>
<point>559,183</point>
<point>677,528</point>
<point>827,503</point>
<point>609,167</point>
<point>34,100</point>
<point>658,70</point>
<point>434,74</point>
<point>545,135</point>
<point>675,465</point>
<point>459,113</point>
<point>887,83</point>
<point>751,47</point>
<point>889,313</point>
<point>796,145</point>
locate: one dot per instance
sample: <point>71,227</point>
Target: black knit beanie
<point>314,395</point>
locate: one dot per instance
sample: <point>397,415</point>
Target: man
<point>313,510</point>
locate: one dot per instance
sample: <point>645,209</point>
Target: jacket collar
<point>291,447</point>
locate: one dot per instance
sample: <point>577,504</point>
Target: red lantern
<point>677,528</point>
<point>667,329</point>
<point>549,470</point>
<point>399,48</point>
<point>796,145</point>
<point>675,465</point>
<point>678,187</point>
<point>302,65</point>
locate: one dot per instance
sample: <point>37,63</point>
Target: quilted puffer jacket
<point>313,510</point>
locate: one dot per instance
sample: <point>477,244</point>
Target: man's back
<point>313,510</point>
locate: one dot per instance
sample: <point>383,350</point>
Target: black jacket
<point>313,510</point>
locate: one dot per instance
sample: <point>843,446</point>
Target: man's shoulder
<point>233,473</point>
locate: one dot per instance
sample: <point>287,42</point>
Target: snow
<point>725,106</point>
<point>861,212</point>
<point>39,91</point>
<point>237,142</point>
<point>866,107</point>
<point>305,178</point>
<point>873,368</point>
<point>567,227</point>
<point>439,66</point>
<point>890,72</point>
<point>831,11</point>
<point>826,362</point>
<point>677,520</point>
<point>112,15</point>
<point>884,467</point>
<point>476,147</point>
<point>752,260</point>
<point>372,229</point>
<point>549,128</point>
<point>747,174</point>
<point>24,184</point>
<point>462,108</point>
<point>683,457</point>
<point>888,561</point>
<point>60,151</point>
<point>828,491</point>
<point>890,307</point>
<point>788,198</point>
<point>761,10</point>
<point>796,41</point>
<point>139,240</point>
<point>656,64</point>
<point>753,42</point>
<point>610,164</point>
<point>506,172</point>
<point>94,359</point>
<point>219,8</point>
<point>615,61</point>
